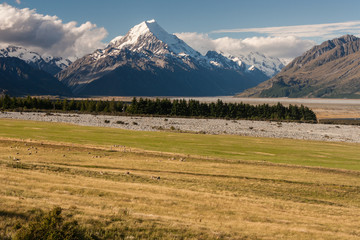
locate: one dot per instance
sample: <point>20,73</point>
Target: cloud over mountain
<point>324,30</point>
<point>48,34</point>
<point>281,46</point>
<point>282,42</point>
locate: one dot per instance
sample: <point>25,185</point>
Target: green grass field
<point>289,151</point>
<point>168,185</point>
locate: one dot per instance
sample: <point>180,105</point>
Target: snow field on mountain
<point>33,57</point>
<point>268,65</point>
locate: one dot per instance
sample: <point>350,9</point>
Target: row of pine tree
<point>164,107</point>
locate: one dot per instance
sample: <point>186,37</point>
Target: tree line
<point>164,107</point>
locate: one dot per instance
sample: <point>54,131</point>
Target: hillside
<point>329,70</point>
<point>17,78</point>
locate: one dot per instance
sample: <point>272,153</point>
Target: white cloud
<point>46,34</point>
<point>281,47</point>
<point>18,1</point>
<point>324,31</point>
<point>282,42</point>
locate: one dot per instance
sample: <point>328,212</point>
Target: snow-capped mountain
<point>48,64</point>
<point>17,78</point>
<point>149,39</point>
<point>150,61</point>
<point>221,61</point>
<point>21,53</point>
<point>151,30</point>
<point>270,66</point>
<point>62,63</point>
<point>251,62</point>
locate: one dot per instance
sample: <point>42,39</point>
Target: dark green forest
<point>163,107</point>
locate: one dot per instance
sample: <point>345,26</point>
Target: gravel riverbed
<point>318,132</point>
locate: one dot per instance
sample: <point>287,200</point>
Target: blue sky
<point>117,16</point>
<point>257,25</point>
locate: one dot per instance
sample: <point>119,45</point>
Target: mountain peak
<point>146,36</point>
<point>151,26</point>
<point>348,38</point>
<point>141,29</point>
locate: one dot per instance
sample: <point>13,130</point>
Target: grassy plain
<point>179,185</point>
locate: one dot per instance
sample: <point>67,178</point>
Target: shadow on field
<point>4,213</point>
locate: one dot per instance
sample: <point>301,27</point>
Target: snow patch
<point>20,53</point>
<point>33,57</point>
<point>216,64</point>
<point>268,65</point>
<point>252,68</point>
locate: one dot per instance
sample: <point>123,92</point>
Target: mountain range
<point>270,66</point>
<point>328,70</point>
<point>23,72</point>
<point>148,61</point>
<point>17,78</point>
<point>49,64</point>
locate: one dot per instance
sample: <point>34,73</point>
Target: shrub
<point>51,226</point>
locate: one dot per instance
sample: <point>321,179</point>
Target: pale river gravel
<point>317,132</point>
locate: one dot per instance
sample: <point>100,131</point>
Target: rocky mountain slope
<point>330,70</point>
<point>148,61</point>
<point>17,78</point>
<point>49,64</point>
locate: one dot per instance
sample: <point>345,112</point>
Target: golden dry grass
<point>225,199</point>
